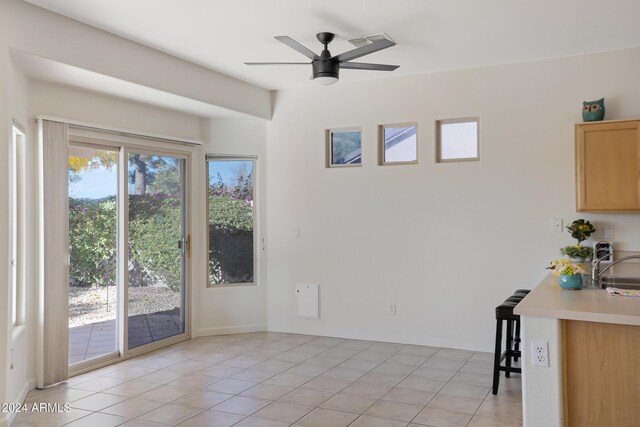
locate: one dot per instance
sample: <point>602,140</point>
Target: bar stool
<point>516,340</point>
<point>504,312</point>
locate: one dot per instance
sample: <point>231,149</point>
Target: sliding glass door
<point>128,251</point>
<point>93,250</point>
<point>157,248</point>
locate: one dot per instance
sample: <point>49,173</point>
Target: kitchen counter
<point>588,304</point>
<point>593,342</point>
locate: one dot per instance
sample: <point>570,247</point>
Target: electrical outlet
<point>294,232</point>
<point>391,309</point>
<point>540,354</point>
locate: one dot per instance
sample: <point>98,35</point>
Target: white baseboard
<point>7,418</point>
<point>226,330</point>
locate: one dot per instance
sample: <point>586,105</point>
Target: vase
<point>570,281</point>
<point>576,259</point>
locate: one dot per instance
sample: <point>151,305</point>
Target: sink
<point>620,282</point>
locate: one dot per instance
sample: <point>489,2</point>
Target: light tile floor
<point>271,379</point>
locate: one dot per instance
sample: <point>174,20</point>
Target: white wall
<point>542,388</point>
<point>241,308</point>
<point>446,242</point>
<point>5,119</point>
<point>20,359</point>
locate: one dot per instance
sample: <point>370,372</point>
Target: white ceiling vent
<point>363,41</point>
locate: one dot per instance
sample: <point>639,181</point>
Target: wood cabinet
<point>608,166</point>
<point>601,374</point>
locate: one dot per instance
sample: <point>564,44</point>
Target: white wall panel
<point>445,242</point>
<point>308,296</point>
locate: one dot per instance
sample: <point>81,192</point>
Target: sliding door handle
<point>185,246</point>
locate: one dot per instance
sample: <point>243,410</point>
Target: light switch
<point>295,232</point>
<point>556,225</point>
<point>391,308</point>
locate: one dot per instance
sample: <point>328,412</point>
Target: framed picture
<point>344,147</point>
<point>398,144</point>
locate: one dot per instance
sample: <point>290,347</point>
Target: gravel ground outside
<point>89,305</point>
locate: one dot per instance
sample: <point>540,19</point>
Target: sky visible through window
<point>459,140</point>
<point>229,170</point>
<point>94,184</point>
<point>102,182</point>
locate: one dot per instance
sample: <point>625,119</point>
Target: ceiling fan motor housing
<point>325,68</point>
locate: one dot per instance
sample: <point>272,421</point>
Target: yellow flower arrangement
<point>565,266</point>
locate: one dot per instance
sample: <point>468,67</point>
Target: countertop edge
<point>549,301</point>
<point>586,317</point>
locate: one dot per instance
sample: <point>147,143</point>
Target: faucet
<point>595,267</point>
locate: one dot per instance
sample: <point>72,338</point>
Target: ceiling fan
<point>326,68</point>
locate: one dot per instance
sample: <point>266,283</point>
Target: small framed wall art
<point>344,147</point>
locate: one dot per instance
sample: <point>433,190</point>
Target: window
<point>232,220</point>
<point>344,147</point>
<point>457,140</point>
<point>398,144</point>
<point>16,212</point>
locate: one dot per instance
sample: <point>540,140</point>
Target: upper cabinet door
<point>607,166</point>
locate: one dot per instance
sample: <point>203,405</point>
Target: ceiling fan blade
<point>297,46</point>
<point>362,66</point>
<point>364,50</point>
<point>276,63</point>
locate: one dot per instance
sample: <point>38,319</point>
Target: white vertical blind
<point>54,254</point>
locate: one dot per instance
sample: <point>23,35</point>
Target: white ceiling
<point>431,35</point>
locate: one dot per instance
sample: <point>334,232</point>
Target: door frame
<point>123,148</point>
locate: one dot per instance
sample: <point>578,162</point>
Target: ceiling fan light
<point>326,80</point>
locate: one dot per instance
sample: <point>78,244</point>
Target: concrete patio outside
<point>99,338</point>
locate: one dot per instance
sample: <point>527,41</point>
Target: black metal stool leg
<point>497,357</point>
<point>509,349</point>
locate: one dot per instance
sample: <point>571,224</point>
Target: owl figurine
<point>593,111</point>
